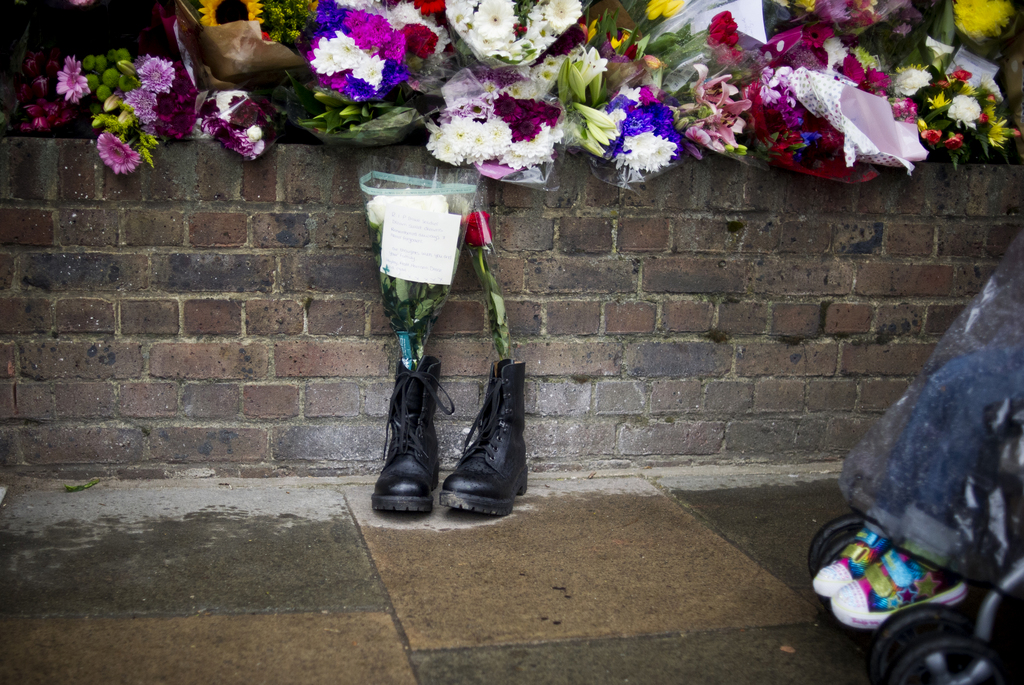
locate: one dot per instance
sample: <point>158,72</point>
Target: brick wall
<point>211,316</point>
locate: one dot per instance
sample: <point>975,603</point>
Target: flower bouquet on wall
<point>48,91</point>
<point>504,32</point>
<point>241,122</point>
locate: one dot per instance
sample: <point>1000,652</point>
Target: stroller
<point>941,475</point>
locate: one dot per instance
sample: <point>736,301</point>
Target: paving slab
<point>247,650</point>
<point>790,655</point>
<point>576,559</point>
<point>178,550</point>
<point>772,519</point>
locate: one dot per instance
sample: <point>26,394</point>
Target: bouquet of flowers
<point>241,122</point>
<point>504,32</point>
<point>712,117</point>
<point>165,99</point>
<point>497,120</point>
<point>47,92</point>
<point>417,217</point>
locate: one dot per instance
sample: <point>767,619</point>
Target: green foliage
<point>89,62</point>
<point>283,20</point>
<point>100,62</point>
<point>122,55</point>
<point>94,82</point>
<point>79,488</point>
<point>127,83</point>
<point>110,77</point>
<point>103,92</point>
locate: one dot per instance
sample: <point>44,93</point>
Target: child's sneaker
<point>866,549</point>
<point>895,583</point>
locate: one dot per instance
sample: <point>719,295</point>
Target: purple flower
<point>143,102</point>
<point>155,74</point>
<point>70,82</point>
<point>116,154</point>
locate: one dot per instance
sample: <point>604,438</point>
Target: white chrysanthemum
<point>562,14</point>
<point>834,49</point>
<point>495,20</point>
<point>499,136</point>
<point>989,84</point>
<point>336,54</point>
<point>631,94</point>
<point>403,14</point>
<point>370,69</point>
<point>461,132</point>
<point>443,149</point>
<point>965,110</point>
<point>521,90</point>
<point>459,13</point>
<point>911,80</point>
<point>645,152</point>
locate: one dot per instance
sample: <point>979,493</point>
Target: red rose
<point>932,135</point>
<point>961,75</point>
<point>954,142</point>
<point>478,229</point>
<point>983,119</point>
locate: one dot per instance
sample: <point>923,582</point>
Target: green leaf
<point>79,488</point>
<point>312,105</point>
<point>499,306</point>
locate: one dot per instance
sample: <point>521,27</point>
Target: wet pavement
<point>657,576</point>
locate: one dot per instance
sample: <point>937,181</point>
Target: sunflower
<point>217,12</point>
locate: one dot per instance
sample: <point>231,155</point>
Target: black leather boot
<point>410,471</point>
<point>492,470</point>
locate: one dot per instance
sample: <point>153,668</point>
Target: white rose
<point>965,110</point>
<point>427,203</point>
<point>254,133</point>
<point>909,81</point>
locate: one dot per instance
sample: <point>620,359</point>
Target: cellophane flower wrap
<point>242,122</point>
<point>435,196</point>
<point>499,120</point>
<point>509,32</point>
<point>48,91</point>
<point>480,245</point>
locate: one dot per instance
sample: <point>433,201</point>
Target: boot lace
<point>400,435</point>
<point>487,424</point>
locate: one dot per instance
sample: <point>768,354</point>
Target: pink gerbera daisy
<point>117,155</point>
<point>70,82</point>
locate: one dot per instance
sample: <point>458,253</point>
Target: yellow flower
<point>806,5</point>
<point>998,133</point>
<point>217,12</point>
<point>592,30</point>
<point>981,19</point>
<point>922,125</point>
<point>663,8</point>
<point>616,42</point>
<point>938,101</point>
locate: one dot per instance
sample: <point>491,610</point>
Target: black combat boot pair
<point>492,470</point>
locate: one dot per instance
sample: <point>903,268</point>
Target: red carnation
<point>427,7</point>
<point>954,142</point>
<point>961,75</point>
<point>478,229</point>
<point>932,135</point>
<point>722,30</point>
<point>419,40</point>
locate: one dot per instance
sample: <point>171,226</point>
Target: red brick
<point>687,275</point>
<point>706,235</point>
<point>790,277</point>
<point>643,235</point>
<point>79,166</point>
<point>828,196</point>
<point>149,317</point>
<point>84,400</point>
<point>270,401</point>
<point>121,187</point>
<point>728,397</point>
<point>26,401</point>
<point>149,400</point>
<point>629,317</point>
<point>585,235</point>
<point>342,229</point>
<point>941,317</point>
<point>842,317</point>
<point>32,163</point>
<point>671,397</point>
<point>779,359</point>
<point>676,438</point>
<point>524,233</point>
<point>517,196</point>
<point>800,320</point>
<point>85,271</point>
<point>280,230</point>
<point>805,237</point>
<point>999,239</point>
<point>208,229</point>
<point>26,226</point>
<point>860,237</point>
<point>574,317</point>
<point>196,361</point>
<point>779,395</point>
<point>899,319</point>
<point>332,399</point>
<point>598,193</point>
<point>962,240</point>
<point>210,401</point>
<point>462,357</point>
<point>301,168</point>
<point>906,239</point>
<point>327,273</point>
<point>83,360</point>
<point>85,315</point>
<point>154,227</point>
<point>338,317</point>
<point>878,394</point>
<point>884,360</point>
<point>845,432</point>
<point>273,317</point>
<point>259,178</point>
<point>831,395</point>
<point>742,318</point>
<point>569,358</point>
<point>6,271</point>
<point>7,368</point>
<point>678,359</point>
<point>90,227</point>
<point>524,318</point>
<point>173,174</point>
<point>75,445</point>
<point>345,183</point>
<point>569,275</point>
<point>904,280</point>
<point>25,315</point>
<point>213,317</point>
<point>218,173</point>
<point>684,316</point>
<point>969,279</point>
<point>324,359</point>
<point>208,445</point>
<point>461,316</point>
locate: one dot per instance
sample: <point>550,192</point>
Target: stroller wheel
<point>949,659</point>
<point>830,540</point>
<point>905,628</point>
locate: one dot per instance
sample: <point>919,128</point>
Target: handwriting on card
<point>419,246</point>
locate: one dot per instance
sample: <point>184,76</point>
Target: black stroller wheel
<point>831,539</point>
<point>949,660</point>
<point>905,628</point>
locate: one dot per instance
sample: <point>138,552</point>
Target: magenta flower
<point>117,155</point>
<point>155,74</point>
<point>70,82</point>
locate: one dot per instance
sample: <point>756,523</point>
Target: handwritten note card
<point>419,246</point>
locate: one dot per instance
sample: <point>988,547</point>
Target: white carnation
<point>909,81</point>
<point>336,54</point>
<point>645,152</point>
<point>370,69</point>
<point>989,84</point>
<point>965,110</point>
